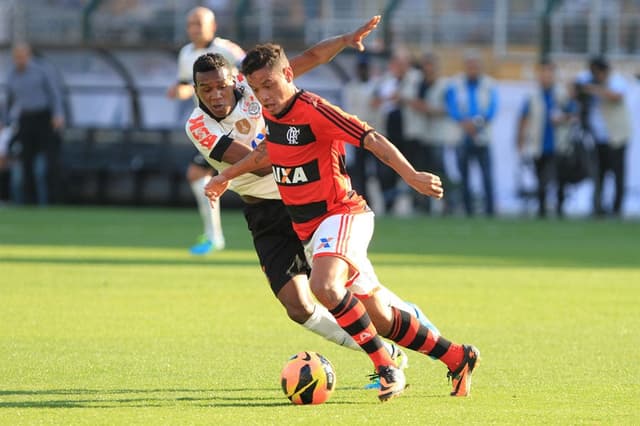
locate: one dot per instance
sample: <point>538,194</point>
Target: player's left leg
<point>392,299</point>
<point>404,328</point>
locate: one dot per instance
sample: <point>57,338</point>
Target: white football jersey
<point>245,125</point>
<point>188,55</point>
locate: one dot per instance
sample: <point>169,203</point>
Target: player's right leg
<point>296,298</point>
<point>301,308</point>
<point>283,261</point>
<point>329,276</point>
<point>212,238</point>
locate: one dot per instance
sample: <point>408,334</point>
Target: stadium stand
<point>124,142</point>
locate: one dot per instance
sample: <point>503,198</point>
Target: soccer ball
<point>308,378</point>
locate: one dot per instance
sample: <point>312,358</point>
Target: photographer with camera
<point>600,95</point>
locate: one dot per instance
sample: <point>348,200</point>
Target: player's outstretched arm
<point>325,51</point>
<point>236,151</point>
<point>255,160</point>
<point>423,182</point>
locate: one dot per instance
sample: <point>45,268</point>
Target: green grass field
<point>106,319</point>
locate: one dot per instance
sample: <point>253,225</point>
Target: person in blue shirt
<point>542,132</point>
<point>472,102</point>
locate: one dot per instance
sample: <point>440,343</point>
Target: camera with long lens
<point>583,99</point>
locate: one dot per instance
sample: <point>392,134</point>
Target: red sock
<point>409,333</point>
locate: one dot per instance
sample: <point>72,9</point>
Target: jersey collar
<point>288,108</point>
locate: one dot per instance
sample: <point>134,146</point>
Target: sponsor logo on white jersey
<point>200,132</point>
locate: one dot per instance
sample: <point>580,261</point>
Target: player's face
<point>215,91</point>
<point>546,75</point>
<point>200,29</point>
<point>273,87</point>
<point>600,76</point>
<point>473,68</point>
<point>430,70</point>
<point>21,56</point>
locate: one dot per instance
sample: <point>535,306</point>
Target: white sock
<point>323,323</point>
<point>210,216</point>
<point>389,298</point>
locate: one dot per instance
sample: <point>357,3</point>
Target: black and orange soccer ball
<point>308,378</point>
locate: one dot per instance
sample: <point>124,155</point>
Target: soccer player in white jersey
<point>201,28</point>
<point>226,126</point>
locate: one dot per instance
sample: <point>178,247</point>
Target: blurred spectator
<point>357,98</point>
<point>426,125</point>
<point>472,102</point>
<point>201,29</point>
<point>35,98</point>
<point>601,95</point>
<point>542,132</point>
<point>386,99</point>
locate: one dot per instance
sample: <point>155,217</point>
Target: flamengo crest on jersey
<point>245,125</point>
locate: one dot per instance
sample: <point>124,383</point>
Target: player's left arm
<point>423,182</point>
<point>327,49</point>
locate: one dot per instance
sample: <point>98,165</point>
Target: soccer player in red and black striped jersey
<point>305,147</point>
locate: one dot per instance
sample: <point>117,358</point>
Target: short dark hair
<point>209,62</point>
<point>599,63</point>
<point>263,55</point>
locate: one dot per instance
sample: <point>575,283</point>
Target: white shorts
<point>347,236</point>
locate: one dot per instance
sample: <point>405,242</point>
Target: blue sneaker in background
<point>203,246</point>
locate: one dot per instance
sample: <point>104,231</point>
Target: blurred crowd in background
<point>566,133</point>
<point>523,107</point>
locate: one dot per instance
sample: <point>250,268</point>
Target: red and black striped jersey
<point>306,147</point>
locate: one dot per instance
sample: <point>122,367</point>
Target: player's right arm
<point>257,159</point>
<point>236,151</point>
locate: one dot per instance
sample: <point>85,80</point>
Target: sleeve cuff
<point>220,148</point>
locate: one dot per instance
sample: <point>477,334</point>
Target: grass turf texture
<point>106,319</point>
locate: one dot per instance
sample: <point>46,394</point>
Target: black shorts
<point>280,251</point>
